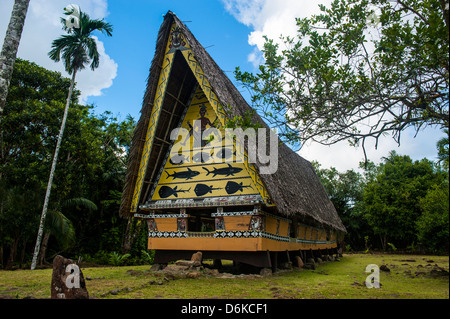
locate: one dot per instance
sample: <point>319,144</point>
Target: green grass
<point>331,280</point>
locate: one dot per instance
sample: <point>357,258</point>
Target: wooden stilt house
<point>191,201</point>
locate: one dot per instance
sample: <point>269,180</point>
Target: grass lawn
<point>410,277</point>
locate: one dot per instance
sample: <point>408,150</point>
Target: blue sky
<point>133,43</point>
<point>230,30</point>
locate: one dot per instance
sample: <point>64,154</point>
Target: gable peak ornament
<point>177,40</point>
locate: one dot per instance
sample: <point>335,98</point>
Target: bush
<point>116,259</point>
<point>433,224</point>
<point>148,256</point>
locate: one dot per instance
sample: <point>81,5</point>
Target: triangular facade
<point>191,186</point>
<point>208,175</point>
<point>204,171</point>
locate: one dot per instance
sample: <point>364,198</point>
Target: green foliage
<point>392,200</point>
<point>392,246</point>
<point>148,256</point>
<point>78,48</point>
<point>366,243</point>
<point>116,259</point>
<point>346,193</point>
<point>433,224</point>
<point>61,227</point>
<point>443,151</point>
<point>88,178</point>
<point>401,202</point>
<point>240,121</point>
<point>356,60</point>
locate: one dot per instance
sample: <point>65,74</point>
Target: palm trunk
<point>10,46</point>
<point>22,254</point>
<point>126,245</point>
<point>383,239</point>
<point>52,173</point>
<point>43,250</point>
<point>13,252</point>
<point>133,228</point>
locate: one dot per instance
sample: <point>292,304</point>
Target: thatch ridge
<point>294,187</point>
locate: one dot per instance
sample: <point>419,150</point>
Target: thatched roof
<point>294,187</point>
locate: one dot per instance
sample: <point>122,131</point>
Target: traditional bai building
<point>199,198</point>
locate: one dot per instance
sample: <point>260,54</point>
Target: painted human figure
<point>152,225</point>
<point>256,223</point>
<point>204,122</point>
<point>220,224</point>
<point>181,224</point>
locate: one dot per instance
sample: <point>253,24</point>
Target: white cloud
<point>344,157</point>
<point>274,18</point>
<point>105,74</point>
<point>271,18</point>
<point>42,26</point>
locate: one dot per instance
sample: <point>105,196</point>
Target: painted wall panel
<point>200,166</point>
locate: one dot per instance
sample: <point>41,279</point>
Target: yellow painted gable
<point>204,171</point>
<point>215,179</point>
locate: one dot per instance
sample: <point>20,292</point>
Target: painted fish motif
<point>233,187</point>
<point>201,157</point>
<point>189,174</point>
<point>202,189</point>
<point>166,191</point>
<point>227,171</point>
<point>225,153</point>
<point>200,96</point>
<point>178,159</point>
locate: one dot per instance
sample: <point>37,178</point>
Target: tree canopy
<point>358,70</point>
<point>92,165</point>
<point>399,202</point>
<point>392,199</point>
<point>77,49</point>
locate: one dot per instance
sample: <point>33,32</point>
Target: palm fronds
<point>78,48</point>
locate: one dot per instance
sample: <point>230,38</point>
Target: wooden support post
<point>274,260</point>
<point>268,259</point>
<point>217,263</point>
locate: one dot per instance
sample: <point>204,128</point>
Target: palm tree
<point>60,226</point>
<point>10,46</point>
<point>77,49</point>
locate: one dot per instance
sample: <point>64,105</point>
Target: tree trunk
<point>10,47</point>
<point>22,254</point>
<point>383,239</point>
<point>444,6</point>
<point>12,252</point>
<point>126,246</point>
<point>133,229</point>
<point>43,251</point>
<point>52,173</point>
